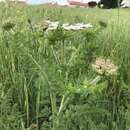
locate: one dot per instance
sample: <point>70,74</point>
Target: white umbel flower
<point>77,26</point>
<point>52,25</point>
<point>66,26</point>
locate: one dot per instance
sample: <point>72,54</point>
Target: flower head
<point>77,26</point>
<point>32,127</point>
<point>41,26</point>
<point>52,25</point>
<point>105,66</point>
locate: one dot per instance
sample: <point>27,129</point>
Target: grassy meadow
<point>64,80</point>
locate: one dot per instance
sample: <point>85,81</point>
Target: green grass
<point>47,79</point>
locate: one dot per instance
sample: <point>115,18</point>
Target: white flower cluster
<point>52,25</point>
<point>105,66</point>
<point>77,26</point>
<point>67,26</point>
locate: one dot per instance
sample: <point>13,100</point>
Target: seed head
<point>105,66</point>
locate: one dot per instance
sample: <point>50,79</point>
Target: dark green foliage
<point>110,3</point>
<point>8,25</point>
